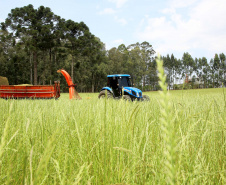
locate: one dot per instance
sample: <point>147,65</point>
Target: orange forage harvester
<point>73,94</point>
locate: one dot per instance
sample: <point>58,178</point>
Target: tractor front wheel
<point>146,98</point>
<point>102,94</point>
<point>127,98</point>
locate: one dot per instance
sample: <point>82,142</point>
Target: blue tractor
<point>120,86</point>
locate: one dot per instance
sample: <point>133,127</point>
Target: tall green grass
<point>169,135</point>
<point>94,141</point>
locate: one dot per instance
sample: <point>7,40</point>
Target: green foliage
<point>35,43</point>
<point>39,39</point>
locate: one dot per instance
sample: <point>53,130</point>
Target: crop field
<point>92,141</point>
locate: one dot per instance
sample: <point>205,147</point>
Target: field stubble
<point>94,141</point>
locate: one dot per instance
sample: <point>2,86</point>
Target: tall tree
<point>216,67</point>
<point>141,56</point>
<point>95,52</point>
<point>35,24</point>
<point>77,35</point>
<point>168,66</point>
<point>5,47</point>
<point>115,60</point>
<point>124,57</point>
<point>223,66</point>
<point>205,71</point>
<point>188,63</point>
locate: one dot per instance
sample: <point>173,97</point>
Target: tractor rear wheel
<point>146,98</point>
<point>102,94</point>
<point>127,98</point>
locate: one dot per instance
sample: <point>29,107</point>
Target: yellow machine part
<point>4,81</point>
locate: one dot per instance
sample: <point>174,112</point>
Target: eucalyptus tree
<point>124,57</point>
<point>173,64</point>
<point>141,56</point>
<point>199,66</point>
<point>212,73</point>
<point>168,66</point>
<point>223,66</point>
<point>136,63</point>
<point>216,67</point>
<point>177,68</point>
<point>116,60</point>
<point>205,69</point>
<point>153,76</point>
<point>147,53</point>
<point>195,67</point>
<point>188,64</point>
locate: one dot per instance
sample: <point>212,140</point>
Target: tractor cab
<point>118,82</point>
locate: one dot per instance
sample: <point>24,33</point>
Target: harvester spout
<point>73,94</point>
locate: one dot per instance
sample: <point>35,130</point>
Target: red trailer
<point>39,91</point>
<point>30,91</point>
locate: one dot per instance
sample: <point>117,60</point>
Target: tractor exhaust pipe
<point>73,94</point>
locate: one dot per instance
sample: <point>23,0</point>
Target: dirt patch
<point>4,81</point>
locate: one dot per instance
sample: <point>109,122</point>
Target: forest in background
<point>35,43</point>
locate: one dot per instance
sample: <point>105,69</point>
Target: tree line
<point>209,73</point>
<point>35,43</point>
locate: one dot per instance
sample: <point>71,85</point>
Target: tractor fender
<point>108,89</point>
<point>127,92</point>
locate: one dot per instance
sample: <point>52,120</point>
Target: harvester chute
<point>73,94</point>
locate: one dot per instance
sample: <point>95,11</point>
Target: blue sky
<point>170,26</point>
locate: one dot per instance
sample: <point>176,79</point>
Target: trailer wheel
<point>127,98</point>
<point>146,98</point>
<point>102,94</point>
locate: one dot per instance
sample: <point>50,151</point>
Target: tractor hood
<point>133,91</point>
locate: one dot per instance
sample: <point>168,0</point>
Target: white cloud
<point>107,11</point>
<point>118,41</point>
<point>204,29</point>
<point>119,3</point>
<point>181,3</point>
<point>122,21</point>
<point>114,43</point>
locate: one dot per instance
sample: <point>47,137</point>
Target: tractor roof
<point>118,75</point>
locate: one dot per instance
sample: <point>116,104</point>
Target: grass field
<point>92,141</point>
